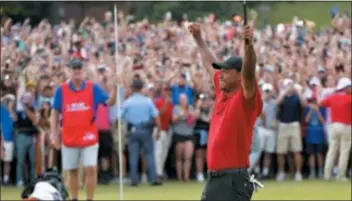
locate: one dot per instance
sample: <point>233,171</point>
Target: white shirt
<point>45,191</point>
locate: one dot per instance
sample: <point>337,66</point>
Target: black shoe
<point>267,177</point>
<point>6,183</point>
<point>104,182</point>
<point>157,183</point>
<point>134,184</point>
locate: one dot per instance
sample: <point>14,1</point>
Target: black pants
<point>105,144</point>
<point>228,185</point>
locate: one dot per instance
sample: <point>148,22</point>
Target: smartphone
<point>101,70</point>
<point>186,65</point>
<point>138,67</point>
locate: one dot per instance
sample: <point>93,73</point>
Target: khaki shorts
<point>73,158</point>
<point>289,138</point>
<point>9,151</point>
<point>115,135</point>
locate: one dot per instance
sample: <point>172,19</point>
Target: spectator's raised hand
<point>313,107</point>
<point>2,150</point>
<point>195,30</point>
<point>55,141</point>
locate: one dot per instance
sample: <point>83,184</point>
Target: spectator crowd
<point>298,69</point>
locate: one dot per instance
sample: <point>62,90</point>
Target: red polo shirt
<point>166,116</point>
<point>231,128</point>
<point>341,106</point>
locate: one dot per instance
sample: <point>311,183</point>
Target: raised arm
<point>249,63</point>
<point>207,57</point>
<point>55,117</point>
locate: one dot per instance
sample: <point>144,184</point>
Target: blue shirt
<point>6,124</point>
<point>256,145</point>
<point>269,109</point>
<point>42,100</point>
<point>138,109</point>
<point>314,128</point>
<point>99,96</point>
<point>5,40</point>
<point>177,91</point>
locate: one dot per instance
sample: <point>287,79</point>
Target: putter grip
<point>245,19</point>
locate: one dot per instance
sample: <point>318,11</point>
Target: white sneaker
<point>257,170</point>
<point>19,184</point>
<point>327,178</point>
<point>298,176</point>
<point>280,176</point>
<point>335,170</point>
<point>144,178</point>
<point>343,179</point>
<point>200,177</point>
<point>126,180</point>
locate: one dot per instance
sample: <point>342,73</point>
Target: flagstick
<point>118,106</point>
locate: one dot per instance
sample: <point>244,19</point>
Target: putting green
<point>288,190</point>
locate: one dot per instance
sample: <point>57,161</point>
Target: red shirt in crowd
<point>341,106</point>
<point>166,115</point>
<point>231,129</point>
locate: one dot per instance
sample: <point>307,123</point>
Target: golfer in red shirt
<point>237,106</point>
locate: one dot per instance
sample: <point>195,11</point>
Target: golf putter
<point>246,40</point>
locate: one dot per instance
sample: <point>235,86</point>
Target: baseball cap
<point>137,84</point>
<point>321,69</point>
<point>269,69</point>
<point>287,82</point>
<point>150,86</point>
<point>308,94</point>
<point>298,87</point>
<point>75,63</point>
<point>343,83</point>
<point>231,63</point>
<point>267,87</point>
<point>31,83</point>
<point>314,81</point>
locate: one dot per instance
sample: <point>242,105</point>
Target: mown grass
<point>288,190</point>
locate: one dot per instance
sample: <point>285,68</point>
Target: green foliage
<point>319,12</point>
<point>156,10</point>
<point>23,9</point>
<point>268,12</point>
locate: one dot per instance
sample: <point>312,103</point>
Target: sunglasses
<point>76,67</point>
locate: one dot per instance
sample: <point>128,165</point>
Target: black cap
<point>231,63</point>
<point>75,63</point>
<point>137,84</point>
<point>182,75</point>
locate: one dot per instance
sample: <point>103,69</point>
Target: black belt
<point>26,131</point>
<point>140,125</point>
<point>220,173</point>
